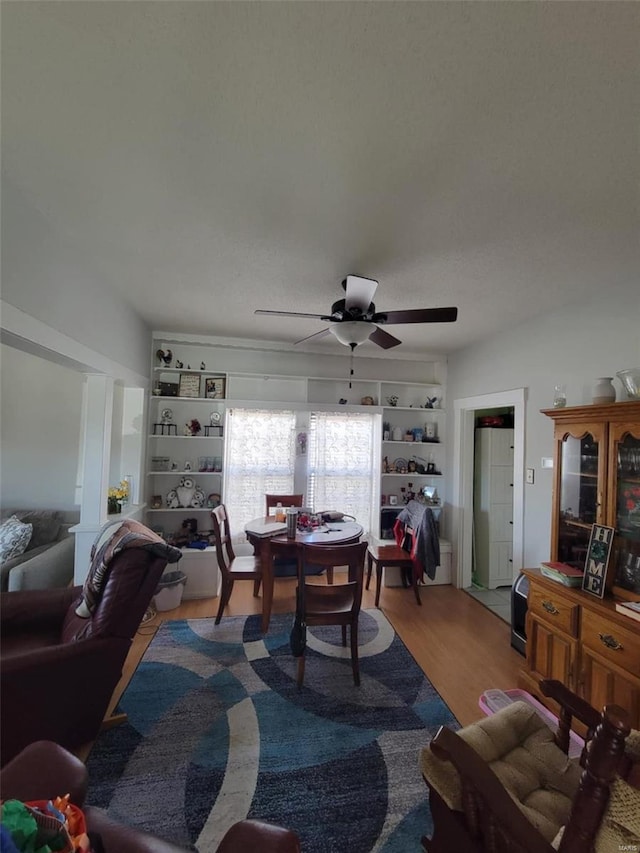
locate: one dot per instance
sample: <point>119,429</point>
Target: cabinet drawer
<point>615,642</point>
<point>555,609</point>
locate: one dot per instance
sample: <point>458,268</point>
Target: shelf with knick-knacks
<point>185,443</point>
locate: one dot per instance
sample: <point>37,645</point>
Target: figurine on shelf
<point>202,365</point>
<point>432,403</point>
<point>185,494</point>
<point>164,356</point>
<point>179,364</point>
<point>192,427</point>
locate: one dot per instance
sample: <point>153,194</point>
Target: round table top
<point>327,534</point>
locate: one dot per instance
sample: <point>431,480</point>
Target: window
<point>341,470</point>
<point>259,459</point>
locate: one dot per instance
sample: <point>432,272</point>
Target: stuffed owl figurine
<point>186,494</point>
<point>185,491</point>
<point>172,499</point>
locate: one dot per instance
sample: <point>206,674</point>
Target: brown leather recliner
<point>43,770</point>
<point>57,670</point>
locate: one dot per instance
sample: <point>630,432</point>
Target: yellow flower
<point>120,492</point>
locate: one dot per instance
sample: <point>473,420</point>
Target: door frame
<point>463,475</point>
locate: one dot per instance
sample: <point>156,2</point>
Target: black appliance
<point>519,592</point>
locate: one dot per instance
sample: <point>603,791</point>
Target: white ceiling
<point>210,158</point>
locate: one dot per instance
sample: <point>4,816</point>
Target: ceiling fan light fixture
<point>353,332</point>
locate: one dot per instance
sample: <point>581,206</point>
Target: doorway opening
<point>466,413</point>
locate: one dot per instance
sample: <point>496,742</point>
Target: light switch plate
<point>529,477</point>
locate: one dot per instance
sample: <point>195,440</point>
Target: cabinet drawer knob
<point>550,608</point>
<point>610,642</point>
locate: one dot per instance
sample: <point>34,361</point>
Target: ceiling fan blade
<point>288,314</point>
<point>383,339</point>
<point>417,315</point>
<point>321,334</point>
<point>359,292</point>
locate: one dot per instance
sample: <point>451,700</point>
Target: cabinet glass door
<point>625,464</point>
<point>580,490</point>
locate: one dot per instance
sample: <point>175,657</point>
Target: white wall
<point>40,415</point>
<point>571,345</point>
<point>41,275</point>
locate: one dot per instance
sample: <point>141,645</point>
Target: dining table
<point>261,532</point>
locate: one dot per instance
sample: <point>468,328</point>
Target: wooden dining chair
<point>333,604</point>
<point>232,568</point>
<point>284,500</point>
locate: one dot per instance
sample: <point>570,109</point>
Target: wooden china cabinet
<point>573,635</point>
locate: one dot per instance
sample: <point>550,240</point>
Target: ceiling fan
<point>354,319</point>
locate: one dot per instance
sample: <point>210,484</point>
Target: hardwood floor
<point>462,647</point>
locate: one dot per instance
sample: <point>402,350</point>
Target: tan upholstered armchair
<point>506,782</point>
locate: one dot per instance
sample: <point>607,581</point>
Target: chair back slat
<point>285,500</point>
<point>222,535</point>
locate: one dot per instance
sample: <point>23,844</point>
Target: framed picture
<point>168,389</point>
<point>189,385</point>
<point>597,561</point>
<point>214,387</point>
<point>393,500</point>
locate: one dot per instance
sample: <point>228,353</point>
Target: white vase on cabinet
<point>603,390</point>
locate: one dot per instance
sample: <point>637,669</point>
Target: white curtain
<point>341,464</point>
<point>259,459</point>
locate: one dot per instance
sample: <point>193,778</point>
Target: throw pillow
<point>14,538</point>
<point>46,525</point>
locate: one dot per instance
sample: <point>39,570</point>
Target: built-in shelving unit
<point>412,448</point>
<point>417,406</point>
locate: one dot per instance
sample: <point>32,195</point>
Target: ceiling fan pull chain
<point>353,349</point>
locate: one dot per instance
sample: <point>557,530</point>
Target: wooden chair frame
<point>231,567</point>
<point>286,500</point>
<point>333,604</point>
<point>490,820</point>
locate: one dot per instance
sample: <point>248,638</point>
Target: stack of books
<point>562,573</point>
<point>629,608</point>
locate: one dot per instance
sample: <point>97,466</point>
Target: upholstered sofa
<point>48,559</point>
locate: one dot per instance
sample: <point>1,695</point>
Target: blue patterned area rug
<point>217,731</point>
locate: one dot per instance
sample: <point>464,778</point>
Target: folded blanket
<point>416,531</point>
<point>114,537</point>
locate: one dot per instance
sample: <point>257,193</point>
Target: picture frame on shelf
<point>597,560</point>
<point>393,500</point>
<point>168,389</point>
<point>160,463</point>
<point>214,387</point>
<point>189,385</point>
<point>156,502</point>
